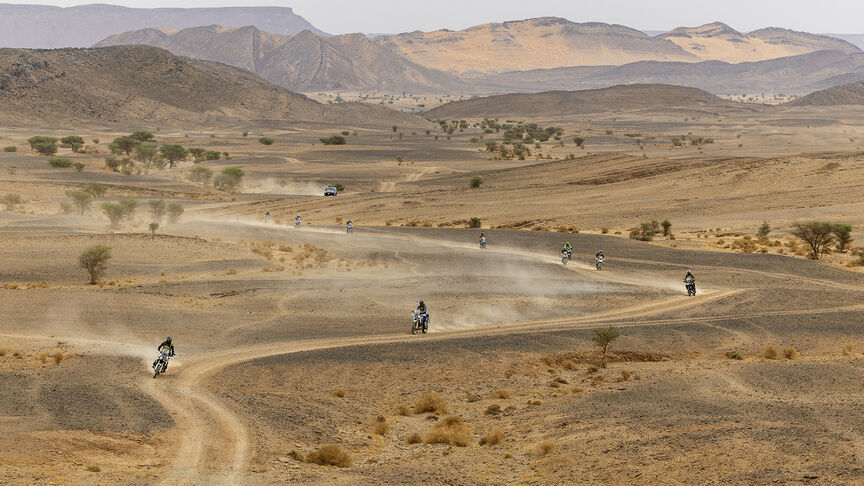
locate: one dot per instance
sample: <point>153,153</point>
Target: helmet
<point>421,301</point>
<point>169,339</point>
<point>688,270</point>
<point>600,252</point>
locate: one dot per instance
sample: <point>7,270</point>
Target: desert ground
<point>289,340</point>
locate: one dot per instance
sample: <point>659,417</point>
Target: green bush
<point>95,260</point>
<point>476,182</point>
<point>475,223</point>
<point>212,155</point>
<point>60,163</point>
<point>229,179</point>
<point>46,148</point>
<point>33,141</point>
<point>339,187</point>
<point>763,230</point>
<point>646,231</point>
<point>10,200</point>
<point>265,141</point>
<point>10,148</point>
<point>334,140</point>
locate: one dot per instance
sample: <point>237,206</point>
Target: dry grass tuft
<point>503,394</point>
<point>771,352</point>
<point>535,402</point>
<point>451,430</point>
<point>790,353</point>
<point>57,357</point>
<point>2,352</point>
<point>295,455</point>
<point>339,393</point>
<point>847,350</point>
<point>381,426</point>
<point>231,271</point>
<point>493,409</point>
<point>43,357</point>
<point>492,438</point>
<point>12,286</point>
<point>330,455</point>
<point>625,375</point>
<point>93,468</point>
<point>576,389</point>
<point>414,439</point>
<point>569,364</point>
<point>430,402</point>
<point>404,411</point>
<point>545,447</point>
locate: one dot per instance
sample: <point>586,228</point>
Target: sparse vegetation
<point>646,231</point>
<point>843,234</point>
<point>265,141</point>
<point>818,235</point>
<point>229,180</point>
<point>491,438</point>
<point>451,430</point>
<point>60,163</point>
<point>153,227</point>
<point>430,402</point>
<point>771,352</point>
<point>81,199</point>
<point>414,438</point>
<point>667,227</point>
<point>475,182</point>
<point>545,447</point>
<point>175,210</point>
<point>603,338</point>
<point>95,260</point>
<point>475,223</point>
<point>847,350</point>
<point>330,455</point>
<point>10,200</point>
<point>764,230</point>
<point>173,153</point>
<point>10,148</point>
<point>381,426</point>
<point>339,393</point>
<point>790,353</point>
<point>334,140</point>
<point>199,175</point>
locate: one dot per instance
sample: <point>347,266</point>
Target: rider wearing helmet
<point>600,255</point>
<point>168,343</point>
<point>568,246</point>
<point>689,277</point>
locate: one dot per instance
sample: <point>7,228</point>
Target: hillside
<point>791,75</point>
<point>847,94</point>
<point>719,42</point>
<point>305,62</point>
<point>138,82</point>
<point>42,26</point>
<point>556,103</point>
<point>532,44</point>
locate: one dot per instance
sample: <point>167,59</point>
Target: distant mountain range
<point>529,56</point>
<point>43,26</point>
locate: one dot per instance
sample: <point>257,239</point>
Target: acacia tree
<point>95,260</point>
<point>818,235</point>
<point>175,210</point>
<point>81,199</point>
<point>115,212</point>
<point>173,153</point>
<point>157,210</point>
<point>603,338</point>
<point>10,200</point>
<point>843,235</point>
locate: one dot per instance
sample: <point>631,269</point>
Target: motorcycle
<point>161,362</point>
<point>297,224</point>
<point>266,218</point>
<point>420,323</point>
<point>482,243</point>
<point>349,229</point>
<point>600,262</point>
<point>691,287</point>
<point>566,255</point>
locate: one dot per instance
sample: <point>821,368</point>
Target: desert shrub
<point>212,155</point>
<point>475,223</point>
<point>229,179</point>
<point>72,141</point>
<point>57,356</point>
<point>142,136</point>
<point>60,163</point>
<point>115,213</point>
<point>667,227</point>
<point>175,210</point>
<point>414,439</point>
<point>10,148</point>
<point>430,402</point>
<point>339,393</point>
<point>818,235</point>
<point>197,153</point>
<point>381,426</point>
<point>843,235</point>
<point>790,353</point>
<point>603,338</point>
<point>199,175</point>
<point>79,166</point>
<point>734,355</point>
<point>493,409</point>
<point>94,189</point>
<point>10,200</point>
<point>42,357</point>
<point>158,208</point>
<point>646,231</point>
<point>770,352</point>
<point>94,259</point>
<point>330,455</point>
<point>579,141</point>
<point>491,438</point>
<point>503,394</point>
<point>123,145</point>
<point>265,141</point>
<point>625,375</point>
<point>404,411</point>
<point>764,230</point>
<point>604,230</point>
<point>153,227</point>
<point>475,182</point>
<point>334,140</point>
<point>545,447</point>
<point>3,352</point>
<point>451,430</point>
<point>847,350</point>
<point>81,199</point>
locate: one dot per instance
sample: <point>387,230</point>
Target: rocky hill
<point>43,26</point>
<point>553,104</point>
<point>139,82</point>
<point>847,94</point>
<point>306,62</point>
<point>547,42</point>
<point>719,42</point>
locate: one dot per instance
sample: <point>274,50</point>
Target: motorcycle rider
<point>267,215</point>
<point>298,220</point>
<point>482,239</point>
<point>599,257</point>
<point>349,226</point>
<point>169,344</point>
<point>689,280</point>
<point>423,310</point>
<point>568,248</point>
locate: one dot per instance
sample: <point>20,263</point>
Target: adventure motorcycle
<point>420,322</point>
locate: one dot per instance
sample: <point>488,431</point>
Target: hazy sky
<point>392,16</point>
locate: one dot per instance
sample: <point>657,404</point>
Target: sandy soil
<point>292,339</point>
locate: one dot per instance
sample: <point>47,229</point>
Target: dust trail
<point>284,187</point>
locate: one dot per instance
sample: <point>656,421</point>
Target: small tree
<point>95,260</point>
<point>212,155</point>
<point>143,136</point>
<point>245,134</point>
<point>199,175</point>
<point>81,199</point>
<point>33,141</point>
<point>46,148</point>
<point>79,166</point>
<point>764,230</point>
<point>94,189</point>
<point>265,141</point>
<point>339,186</point>
<point>60,162</point>
<point>10,200</point>
<point>173,153</point>
<point>818,235</point>
<point>175,210</point>
<point>579,141</point>
<point>475,223</point>
<point>113,163</point>
<point>843,235</point>
<point>667,227</point>
<point>197,153</point>
<point>129,205</point>
<point>74,142</point>
<point>157,210</point>
<point>603,338</point>
<point>646,231</point>
<point>125,144</point>
<point>115,213</point>
<point>395,128</point>
<point>145,152</point>
<point>475,182</point>
<point>229,179</point>
<point>153,227</point>
<point>334,140</point>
